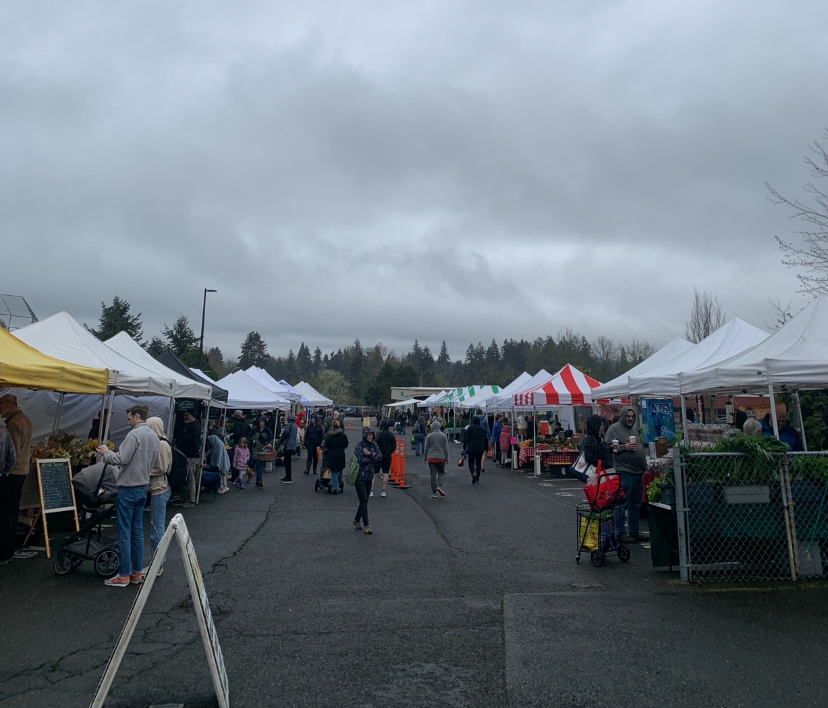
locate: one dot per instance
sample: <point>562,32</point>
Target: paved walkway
<point>471,600</point>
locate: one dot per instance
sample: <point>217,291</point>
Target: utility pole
<point>201,340</point>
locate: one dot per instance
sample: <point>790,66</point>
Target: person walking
<point>419,436</point>
<point>497,428</point>
<point>136,458</point>
<point>474,443</point>
<point>241,459</point>
<point>261,439</point>
<point>334,446</point>
<point>19,429</point>
<point>290,441</point>
<point>387,444</point>
<point>219,460</point>
<point>630,462</point>
<point>369,458</point>
<point>436,455</point>
<point>189,442</point>
<point>159,488</point>
<point>505,441</point>
<point>314,434</point>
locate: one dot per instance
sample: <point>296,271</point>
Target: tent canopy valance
<point>430,401</point>
<point>281,388</point>
<point>479,397</point>
<point>795,356</point>
<point>668,380</point>
<point>61,337</point>
<point>24,367</point>
<point>172,362</point>
<point>185,386</point>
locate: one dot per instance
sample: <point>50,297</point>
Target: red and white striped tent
<point>569,387</point>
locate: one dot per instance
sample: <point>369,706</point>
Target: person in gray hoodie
<point>290,438</point>
<point>135,458</point>
<point>436,455</point>
<point>631,463</point>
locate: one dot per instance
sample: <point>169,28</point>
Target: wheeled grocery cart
<point>596,534</point>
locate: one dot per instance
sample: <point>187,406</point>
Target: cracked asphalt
<point>471,600</point>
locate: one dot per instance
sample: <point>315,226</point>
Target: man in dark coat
<point>314,434</point>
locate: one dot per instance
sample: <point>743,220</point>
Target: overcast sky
<point>523,167</point>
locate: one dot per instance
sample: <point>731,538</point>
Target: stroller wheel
<point>316,486</point>
<point>106,563</point>
<point>623,554</point>
<point>63,564</point>
<point>597,558</point>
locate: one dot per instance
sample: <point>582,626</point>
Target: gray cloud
<point>393,170</point>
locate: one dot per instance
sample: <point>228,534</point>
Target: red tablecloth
<point>548,457</point>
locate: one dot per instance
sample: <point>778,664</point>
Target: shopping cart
<point>596,531</point>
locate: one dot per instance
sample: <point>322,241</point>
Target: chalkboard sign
<point>54,477</point>
<point>186,404</point>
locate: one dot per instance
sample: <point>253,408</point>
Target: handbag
<point>353,471</point>
<point>412,439</point>
<point>604,489</point>
<point>582,470</point>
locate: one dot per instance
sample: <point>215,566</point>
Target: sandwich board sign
<point>54,479</point>
<point>204,616</point>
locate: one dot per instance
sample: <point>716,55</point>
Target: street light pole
<point>201,340</point>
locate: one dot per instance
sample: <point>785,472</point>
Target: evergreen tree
<point>493,354</point>
<point>356,369</point>
<point>182,341</point>
<point>253,351</point>
<point>317,360</point>
<point>290,368</point>
<point>443,360</point>
<point>116,318</point>
<point>304,365</point>
<point>156,346</point>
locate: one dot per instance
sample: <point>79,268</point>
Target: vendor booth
<point>317,400</point>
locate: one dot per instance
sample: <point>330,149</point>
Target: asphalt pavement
<point>470,600</point>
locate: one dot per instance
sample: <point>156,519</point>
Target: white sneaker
<point>435,496</point>
<point>383,494</point>
<point>370,495</point>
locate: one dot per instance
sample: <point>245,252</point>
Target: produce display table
<point>548,457</point>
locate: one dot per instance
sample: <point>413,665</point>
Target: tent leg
<point>57,414</point>
<point>206,425</point>
<point>170,418</point>
<point>683,418</point>
<point>108,421</point>
<point>773,411</point>
<point>799,419</point>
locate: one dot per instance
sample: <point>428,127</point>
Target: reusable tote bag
<point>582,470</point>
<point>353,471</point>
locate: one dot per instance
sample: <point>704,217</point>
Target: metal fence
<point>752,518</point>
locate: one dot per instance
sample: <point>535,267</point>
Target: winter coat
<point>290,436</point>
<point>368,462</point>
<point>334,445</point>
<point>436,444</point>
<point>475,438</point>
<point>387,442</point>
<point>505,437</point>
<point>189,441</point>
<point>158,483</point>
<point>260,438</point>
<point>314,434</point>
<point>241,429</point>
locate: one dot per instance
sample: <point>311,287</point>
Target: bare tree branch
<point>706,316</point>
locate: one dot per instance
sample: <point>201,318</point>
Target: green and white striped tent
<point>461,397</point>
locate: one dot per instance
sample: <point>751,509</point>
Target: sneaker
<point>628,539</point>
<point>383,493</point>
<point>284,480</point>
<point>440,492</point>
<point>160,571</point>
<point>260,485</point>
<point>187,505</point>
<point>250,476</point>
<point>136,578</point>
<point>307,471</point>
<point>368,530</point>
<point>357,525</point>
<point>239,484</point>
<point>371,495</point>
<point>117,581</point>
<point>223,490</point>
<point>435,496</point>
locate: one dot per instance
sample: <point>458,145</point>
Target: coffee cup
<point>632,439</point>
<point>615,445</point>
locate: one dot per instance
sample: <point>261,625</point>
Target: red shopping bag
<point>604,489</point>
<point>490,453</point>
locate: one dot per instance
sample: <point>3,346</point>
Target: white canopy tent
<point>404,404</point>
<point>667,381</point>
<point>506,400</point>
<point>127,347</point>
<point>317,399</point>
<point>62,337</point>
<point>430,400</point>
<point>619,387</point>
<point>478,399</point>
<point>245,393</point>
<point>280,388</point>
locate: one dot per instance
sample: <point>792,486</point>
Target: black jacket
<point>474,438</point>
<point>189,440</point>
<point>314,434</point>
<point>334,445</point>
<point>387,443</point>
<point>241,429</point>
<point>596,449</point>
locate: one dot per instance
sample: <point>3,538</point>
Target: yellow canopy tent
<point>24,367</point>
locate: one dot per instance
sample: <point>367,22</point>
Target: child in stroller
<point>96,493</point>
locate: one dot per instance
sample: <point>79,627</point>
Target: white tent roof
<point>127,347</point>
<point>796,355</point>
<point>60,336</point>
<point>244,392</point>
<point>293,391</point>
<point>516,385</point>
<point>316,398</point>
<point>569,387</point>
<point>619,387</point>
<point>478,400</point>
<point>730,339</point>
<point>430,400</point>
<point>505,401</point>
<point>401,404</point>
<point>280,388</point>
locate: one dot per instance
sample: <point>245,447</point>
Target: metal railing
<point>746,517</point>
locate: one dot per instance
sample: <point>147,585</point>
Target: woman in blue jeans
<point>333,447</point>
<point>159,488</point>
<point>419,437</point>
<point>369,457</point>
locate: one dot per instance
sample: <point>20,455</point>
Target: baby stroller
<point>96,493</point>
<point>324,479</point>
<point>397,428</point>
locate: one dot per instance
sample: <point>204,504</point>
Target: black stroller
<point>96,492</point>
<point>324,480</point>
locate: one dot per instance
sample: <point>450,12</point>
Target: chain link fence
<point>747,517</point>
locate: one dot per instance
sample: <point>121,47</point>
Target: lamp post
<point>201,340</point>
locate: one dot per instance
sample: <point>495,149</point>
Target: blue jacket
<point>496,430</point>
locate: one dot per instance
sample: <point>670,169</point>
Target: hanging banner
<point>657,419</point>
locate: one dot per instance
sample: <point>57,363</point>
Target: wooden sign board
<point>54,480</point>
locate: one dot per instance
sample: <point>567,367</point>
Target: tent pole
<point>101,418</point>
<point>170,415</point>
<point>108,417</point>
<point>683,418</point>
<point>206,424</point>
<point>57,414</point>
<point>773,411</point>
<point>799,418</point>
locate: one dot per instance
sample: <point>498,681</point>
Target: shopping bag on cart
<point>589,534</point>
<point>604,488</point>
<point>607,541</point>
